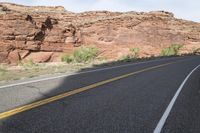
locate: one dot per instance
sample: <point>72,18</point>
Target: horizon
<point>186,10</point>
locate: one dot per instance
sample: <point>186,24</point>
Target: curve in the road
<point>164,117</point>
<point>73,92</point>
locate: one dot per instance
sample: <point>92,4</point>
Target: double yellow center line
<point>73,92</point>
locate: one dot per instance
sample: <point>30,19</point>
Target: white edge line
<point>61,76</point>
<point>163,119</point>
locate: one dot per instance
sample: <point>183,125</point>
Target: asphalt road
<point>134,102</point>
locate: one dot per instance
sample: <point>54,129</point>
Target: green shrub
<point>81,55</point>
<point>126,58</point>
<point>134,52</point>
<point>85,54</point>
<point>67,58</point>
<point>167,52</point>
<point>176,48</point>
<point>172,50</point>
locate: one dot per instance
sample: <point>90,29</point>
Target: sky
<point>184,9</point>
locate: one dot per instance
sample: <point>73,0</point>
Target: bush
<point>81,55</point>
<point>126,58</point>
<point>85,54</point>
<point>67,58</point>
<point>134,52</point>
<point>167,52</point>
<point>172,50</point>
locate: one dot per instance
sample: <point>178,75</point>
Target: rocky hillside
<point>44,33</point>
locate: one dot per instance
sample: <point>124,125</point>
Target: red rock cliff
<point>44,33</point>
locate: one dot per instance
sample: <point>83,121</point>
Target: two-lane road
<point>132,98</point>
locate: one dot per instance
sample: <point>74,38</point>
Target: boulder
<point>39,57</point>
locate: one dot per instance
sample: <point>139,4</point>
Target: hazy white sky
<point>186,9</point>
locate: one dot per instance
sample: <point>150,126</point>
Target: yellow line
<point>73,92</point>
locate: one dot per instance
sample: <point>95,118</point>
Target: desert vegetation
<point>28,64</point>
<point>2,70</point>
<point>81,55</point>
<point>134,52</point>
<point>81,58</point>
<point>26,70</point>
<point>171,50</point>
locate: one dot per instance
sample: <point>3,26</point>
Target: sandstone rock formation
<point>44,33</point>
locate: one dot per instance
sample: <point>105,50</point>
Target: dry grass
<point>20,72</point>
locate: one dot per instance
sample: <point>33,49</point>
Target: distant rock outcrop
<point>44,33</point>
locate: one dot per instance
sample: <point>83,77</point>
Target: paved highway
<point>155,96</point>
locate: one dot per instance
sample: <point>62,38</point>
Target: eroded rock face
<point>30,32</point>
